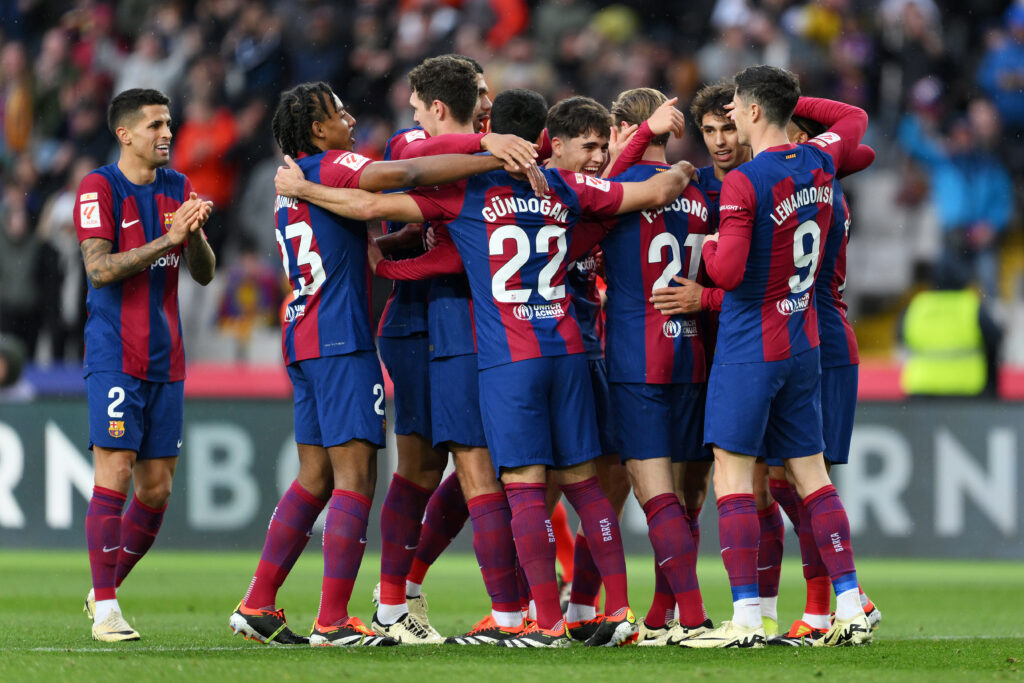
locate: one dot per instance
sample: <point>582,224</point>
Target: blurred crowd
<point>942,80</point>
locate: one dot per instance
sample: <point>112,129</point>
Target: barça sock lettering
<point>139,528</point>
<point>664,602</point>
<point>739,532</point>
<point>832,534</point>
<point>769,558</point>
<point>601,525</point>
<point>103,538</point>
<point>535,545</point>
<point>445,516</point>
<point>676,555</point>
<point>564,546</point>
<point>344,543</point>
<point>495,550</point>
<point>400,518</point>
<point>290,528</point>
<point>819,589</point>
<point>586,582</point>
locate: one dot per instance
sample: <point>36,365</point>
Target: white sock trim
<point>769,607</point>
<point>507,619</point>
<point>389,614</point>
<point>848,604</point>
<point>413,590</point>
<point>104,608</point>
<point>580,612</point>
<point>747,612</point>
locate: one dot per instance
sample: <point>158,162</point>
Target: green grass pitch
<point>942,620</point>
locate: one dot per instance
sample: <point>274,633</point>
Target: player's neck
<point>449,127</point>
<point>655,153</point>
<point>135,170</point>
<point>765,137</point>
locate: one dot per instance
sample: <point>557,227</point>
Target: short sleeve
<point>94,209</point>
<point>597,196</point>
<point>441,204</point>
<point>342,169</point>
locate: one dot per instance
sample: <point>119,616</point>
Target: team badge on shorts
<point>116,428</point>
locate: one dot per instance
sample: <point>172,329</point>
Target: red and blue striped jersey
<point>514,248</point>
<point>324,257</point>
<point>581,277</point>
<point>777,208</point>
<point>642,253</point>
<point>838,341</point>
<point>712,187</point>
<point>133,325</point>
<point>450,311</point>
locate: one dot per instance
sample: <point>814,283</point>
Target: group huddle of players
<point>721,339</point>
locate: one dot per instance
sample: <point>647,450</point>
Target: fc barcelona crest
<point>116,428</point>
<point>168,219</point>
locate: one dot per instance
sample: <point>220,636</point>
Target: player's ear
<point>317,129</point>
<point>123,135</point>
<point>439,109</point>
<point>557,147</point>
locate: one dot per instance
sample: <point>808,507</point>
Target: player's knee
<point>154,494</point>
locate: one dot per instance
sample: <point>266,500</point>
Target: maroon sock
<point>601,526</point>
<point>103,538</point>
<point>495,549</point>
<point>813,567</point>
<point>739,532</point>
<point>832,534</point>
<point>769,551</point>
<point>675,554</point>
<point>664,602</point>
<point>523,582</point>
<point>139,528</point>
<point>586,579</point>
<point>344,543</point>
<point>400,519</point>
<point>786,497</point>
<point>535,545</point>
<point>290,528</point>
<point>445,516</point>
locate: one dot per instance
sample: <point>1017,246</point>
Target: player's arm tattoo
<point>199,258</point>
<point>104,268</point>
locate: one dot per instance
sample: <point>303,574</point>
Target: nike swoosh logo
<point>728,548</point>
<point>179,443</point>
<point>363,541</point>
<point>662,563</point>
<point>125,224</point>
<point>410,547</point>
<point>110,550</point>
<point>131,552</point>
<point>764,569</point>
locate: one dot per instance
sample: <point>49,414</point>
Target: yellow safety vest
<point>943,337</point>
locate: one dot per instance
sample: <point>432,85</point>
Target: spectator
<point>20,261</point>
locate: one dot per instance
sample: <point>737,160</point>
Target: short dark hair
<point>636,106</point>
<point>296,111</point>
<point>451,80</point>
<point>711,99</point>
<point>472,62</point>
<point>810,126</point>
<point>128,104</point>
<point>519,112</point>
<point>775,89</point>
<point>577,116</point>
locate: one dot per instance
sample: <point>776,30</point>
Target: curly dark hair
<point>449,79</point>
<point>297,109</point>
<point>711,99</point>
<point>128,105</point>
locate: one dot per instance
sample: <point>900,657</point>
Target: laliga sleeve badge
<point>116,428</point>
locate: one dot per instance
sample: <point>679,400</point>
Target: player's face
<point>338,127</point>
<point>723,143</point>
<point>739,112</point>
<point>585,154</point>
<point>483,105</point>
<point>423,114</point>
<point>150,136</point>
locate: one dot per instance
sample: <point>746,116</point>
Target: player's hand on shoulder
<point>687,169</point>
<point>678,300</point>
<point>618,137</point>
<point>429,238</point>
<point>713,237</point>
<point>667,119</point>
<point>289,179</point>
<point>515,152</point>
<point>538,181</point>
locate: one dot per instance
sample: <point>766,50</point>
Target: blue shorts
<point>838,406</point>
<point>128,413</point>
<point>406,359</point>
<point>606,419</point>
<point>539,412</point>
<point>455,401</point>
<point>665,421</point>
<point>338,398</point>
<point>775,404</point>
